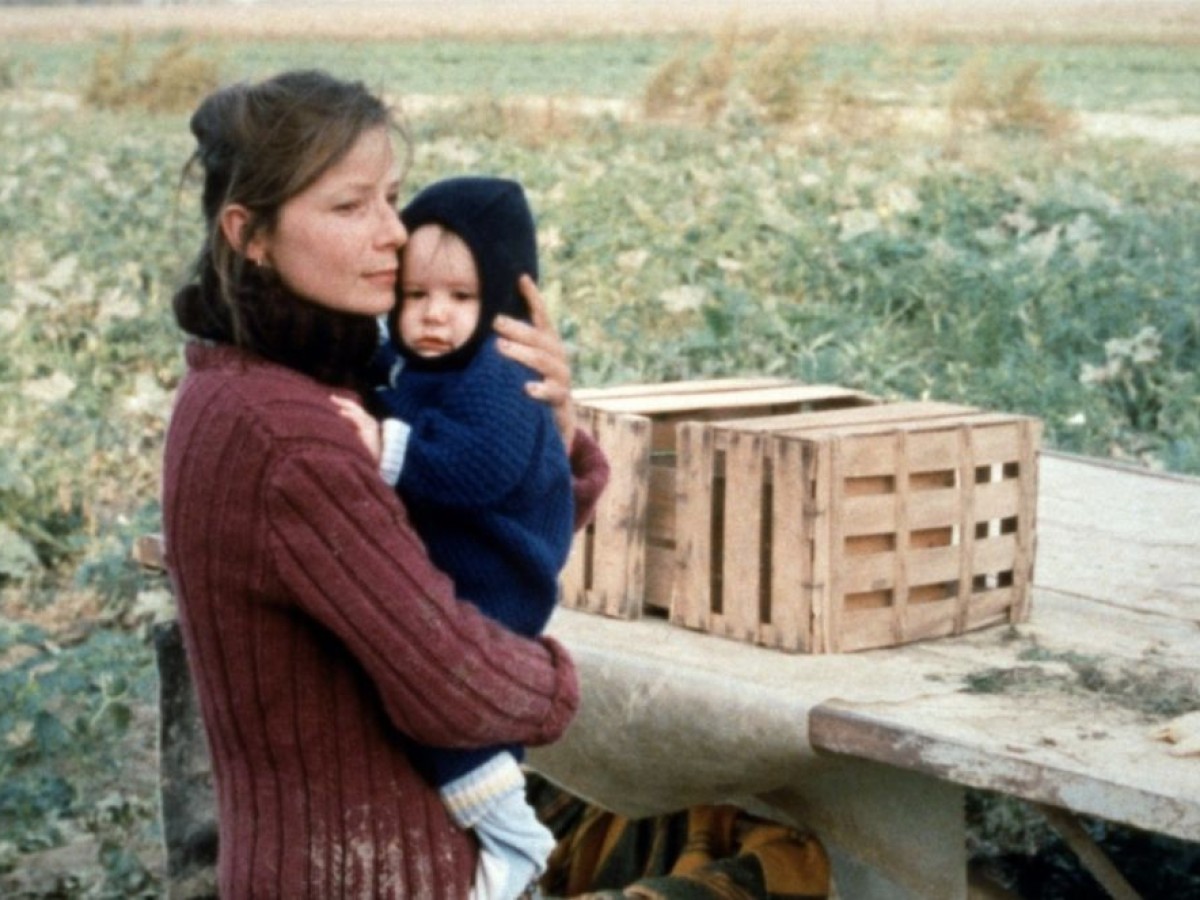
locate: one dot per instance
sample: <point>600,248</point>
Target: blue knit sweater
<point>487,484</point>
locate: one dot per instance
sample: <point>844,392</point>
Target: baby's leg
<point>513,849</point>
<point>514,846</point>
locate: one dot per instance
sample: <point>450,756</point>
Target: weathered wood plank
<point>619,543</point>
<point>790,593</point>
<point>588,396</point>
<point>743,558</point>
<point>691,601</point>
<point>852,417</point>
<point>713,401</point>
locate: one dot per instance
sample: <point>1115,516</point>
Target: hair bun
<point>213,123</point>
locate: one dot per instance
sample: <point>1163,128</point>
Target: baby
<point>482,470</point>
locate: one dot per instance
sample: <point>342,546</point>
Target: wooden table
<point>874,750</point>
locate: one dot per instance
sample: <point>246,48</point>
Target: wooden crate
<point>859,528</point>
<point>623,564</point>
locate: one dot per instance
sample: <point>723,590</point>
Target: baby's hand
<point>364,423</point>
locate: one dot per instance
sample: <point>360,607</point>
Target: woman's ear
<point>235,221</point>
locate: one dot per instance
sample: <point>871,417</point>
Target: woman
<point>321,638</point>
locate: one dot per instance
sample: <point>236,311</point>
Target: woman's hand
<point>364,423</point>
<point>539,347</point>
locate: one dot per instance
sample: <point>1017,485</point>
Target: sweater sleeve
<point>447,675</point>
<point>589,475</point>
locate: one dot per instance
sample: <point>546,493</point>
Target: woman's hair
<point>259,145</point>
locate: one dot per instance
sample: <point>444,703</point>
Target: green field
<point>916,218</point>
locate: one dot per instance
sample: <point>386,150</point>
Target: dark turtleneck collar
<point>279,325</point>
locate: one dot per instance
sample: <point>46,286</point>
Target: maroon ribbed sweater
<point>320,636</point>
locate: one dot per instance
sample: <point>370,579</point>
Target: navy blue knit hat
<point>493,218</point>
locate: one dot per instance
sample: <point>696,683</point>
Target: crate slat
<point>733,403</point>
<point>790,592</point>
<point>967,525</point>
<point>691,601</point>
<point>590,396</point>
<point>742,573</point>
<point>849,418</point>
<point>667,410</point>
<point>618,539</point>
<point>1031,437</point>
<point>900,555</point>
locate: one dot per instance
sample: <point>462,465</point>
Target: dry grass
<point>174,81</point>
<point>695,88</point>
<point>777,78</point>
<point>669,88</point>
<point>1012,100</point>
<point>1168,21</point>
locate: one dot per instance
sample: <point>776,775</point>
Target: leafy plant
<point>64,727</point>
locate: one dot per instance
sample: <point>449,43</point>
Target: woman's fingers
<point>539,347</point>
<point>543,353</point>
<point>537,304</point>
<point>536,345</point>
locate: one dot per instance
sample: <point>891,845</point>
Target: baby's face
<point>439,292</point>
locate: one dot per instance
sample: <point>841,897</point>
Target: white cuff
<point>394,449</point>
<point>470,797</point>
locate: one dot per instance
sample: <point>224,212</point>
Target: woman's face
<point>439,294</point>
<point>337,242</point>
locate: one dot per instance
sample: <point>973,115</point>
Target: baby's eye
<point>464,296</point>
